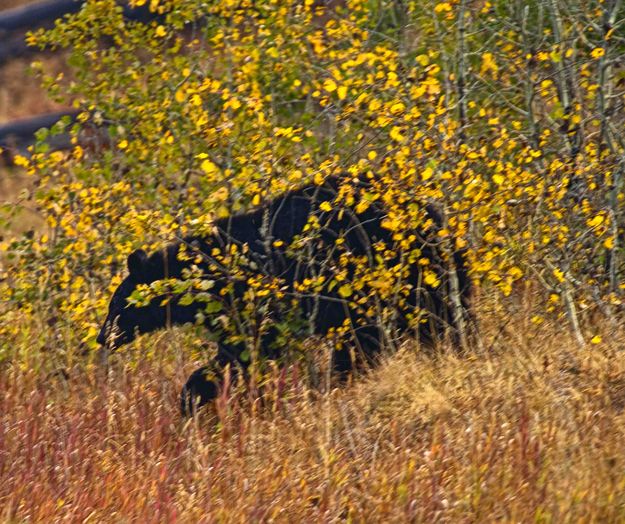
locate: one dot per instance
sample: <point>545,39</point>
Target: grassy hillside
<point>529,431</point>
<point>506,118</point>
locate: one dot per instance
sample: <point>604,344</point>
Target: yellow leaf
<point>345,290</point>
<point>392,224</point>
<point>597,52</point>
<point>325,206</point>
<point>396,135</point>
<point>209,168</point>
<point>488,64</point>
<point>498,179</point>
<point>361,207</point>
<point>342,92</point>
<point>427,173</point>
<point>21,161</point>
<point>430,279</point>
<point>559,274</point>
<point>397,107</point>
<point>423,60</point>
<point>608,243</point>
<point>221,194</point>
<point>329,85</point>
<point>443,7</point>
<point>160,31</point>
<point>374,105</point>
<point>506,287</point>
<point>595,221</point>
<point>233,103</point>
<point>595,340</point>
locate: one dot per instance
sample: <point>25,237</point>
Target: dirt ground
<point>20,93</point>
<point>8,4</point>
<point>21,96</point>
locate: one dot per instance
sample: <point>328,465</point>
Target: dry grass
<point>14,184</point>
<point>530,431</point>
<point>21,95</point>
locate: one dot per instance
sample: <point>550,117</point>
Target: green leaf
<point>213,307</point>
<point>205,285</point>
<point>186,299</point>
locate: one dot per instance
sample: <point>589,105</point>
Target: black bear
<point>334,264</point>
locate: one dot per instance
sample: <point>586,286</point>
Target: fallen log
<point>24,129</point>
<point>16,137</point>
<point>33,16</point>
<point>16,22</point>
<point>14,46</point>
<point>40,14</point>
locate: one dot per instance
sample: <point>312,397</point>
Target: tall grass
<point>529,430</point>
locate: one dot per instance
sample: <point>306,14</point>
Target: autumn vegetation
<point>505,116</point>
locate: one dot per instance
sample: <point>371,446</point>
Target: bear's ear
<point>137,262</point>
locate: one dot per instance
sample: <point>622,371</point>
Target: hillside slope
<point>513,435</point>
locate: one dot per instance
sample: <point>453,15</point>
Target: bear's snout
<point>101,337</point>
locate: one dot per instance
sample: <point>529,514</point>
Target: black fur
<point>283,220</point>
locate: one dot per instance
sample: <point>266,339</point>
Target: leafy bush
<point>505,117</point>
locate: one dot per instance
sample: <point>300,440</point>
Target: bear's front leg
<point>198,391</point>
<point>205,383</point>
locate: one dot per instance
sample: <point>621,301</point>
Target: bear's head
<point>125,321</point>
